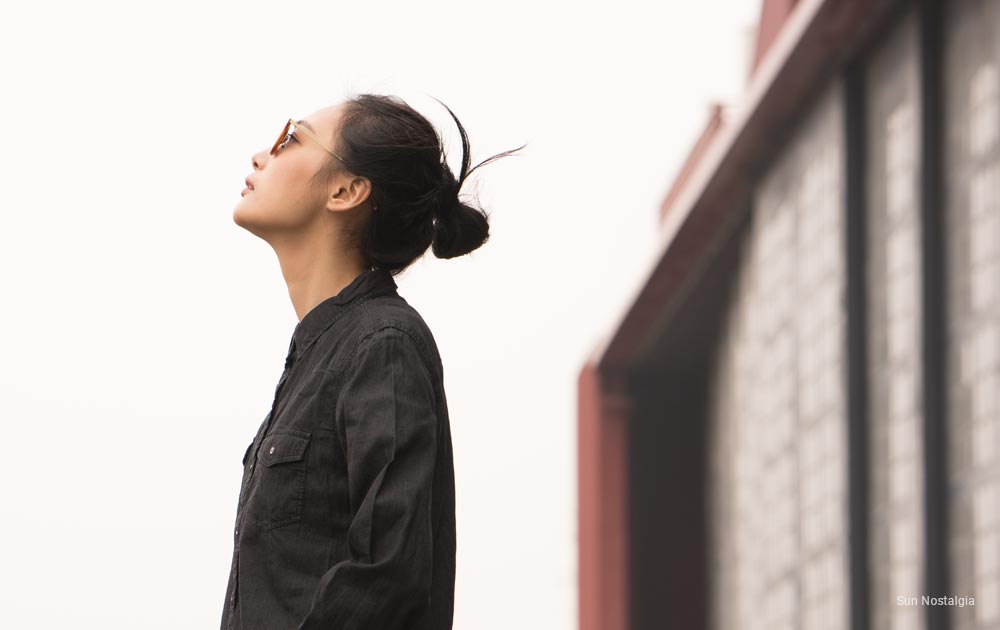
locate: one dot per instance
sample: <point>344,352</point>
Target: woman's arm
<point>388,416</point>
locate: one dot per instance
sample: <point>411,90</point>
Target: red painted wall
<point>603,545</point>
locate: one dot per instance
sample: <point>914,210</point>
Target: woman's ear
<point>348,191</point>
<point>364,188</point>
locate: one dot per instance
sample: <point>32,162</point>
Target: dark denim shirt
<point>346,514</point>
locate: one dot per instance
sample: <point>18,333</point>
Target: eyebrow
<point>306,125</point>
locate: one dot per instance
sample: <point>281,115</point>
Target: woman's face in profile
<point>283,197</point>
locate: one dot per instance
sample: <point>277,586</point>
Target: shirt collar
<point>371,283</point>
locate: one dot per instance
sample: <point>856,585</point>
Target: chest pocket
<point>279,479</point>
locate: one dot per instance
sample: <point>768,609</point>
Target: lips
<point>249,187</point>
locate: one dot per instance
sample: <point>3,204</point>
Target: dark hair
<point>416,196</point>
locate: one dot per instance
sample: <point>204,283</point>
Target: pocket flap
<point>283,445</point>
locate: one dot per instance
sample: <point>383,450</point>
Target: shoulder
<point>391,317</point>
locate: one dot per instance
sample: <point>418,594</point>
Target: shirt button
<point>271,451</point>
<point>237,532</point>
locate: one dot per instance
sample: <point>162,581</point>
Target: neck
<point>313,269</point>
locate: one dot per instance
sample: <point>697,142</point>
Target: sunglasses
<point>284,137</point>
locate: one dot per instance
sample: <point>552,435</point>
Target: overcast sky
<point>143,331</point>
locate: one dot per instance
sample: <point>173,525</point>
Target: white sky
<point>143,331</point>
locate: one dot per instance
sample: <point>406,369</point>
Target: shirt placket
<point>234,598</point>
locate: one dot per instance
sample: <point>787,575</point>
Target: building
<point>795,423</point>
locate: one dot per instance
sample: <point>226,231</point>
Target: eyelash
<point>289,137</point>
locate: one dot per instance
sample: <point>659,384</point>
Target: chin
<point>238,217</point>
<point>263,219</point>
<point>254,220</point>
<point>243,218</point>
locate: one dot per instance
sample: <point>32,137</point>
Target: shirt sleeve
<point>387,415</point>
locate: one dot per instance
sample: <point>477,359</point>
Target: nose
<point>258,159</point>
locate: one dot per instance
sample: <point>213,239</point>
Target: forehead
<point>324,121</point>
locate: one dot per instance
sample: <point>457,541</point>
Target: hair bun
<point>462,230</point>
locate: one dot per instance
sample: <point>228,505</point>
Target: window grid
<point>972,222</point>
<point>779,472</point>
<point>894,285</point>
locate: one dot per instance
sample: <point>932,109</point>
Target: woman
<point>346,515</point>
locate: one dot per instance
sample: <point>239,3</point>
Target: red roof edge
<point>773,14</point>
<point>712,127</point>
<point>720,182</point>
